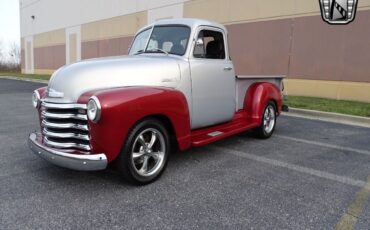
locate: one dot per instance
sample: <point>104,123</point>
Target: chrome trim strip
<point>66,145</point>
<point>63,106</point>
<point>91,162</point>
<point>64,125</point>
<point>64,116</point>
<point>36,92</point>
<point>49,133</point>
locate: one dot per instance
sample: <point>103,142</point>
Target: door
<point>213,79</point>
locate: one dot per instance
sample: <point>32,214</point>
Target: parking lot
<point>310,175</point>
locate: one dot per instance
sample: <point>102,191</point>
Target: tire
<point>145,153</point>
<point>268,122</point>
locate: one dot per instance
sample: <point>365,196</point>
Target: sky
<point>9,22</point>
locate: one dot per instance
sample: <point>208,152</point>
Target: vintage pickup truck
<point>176,89</point>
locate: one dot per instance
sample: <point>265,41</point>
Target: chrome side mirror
<point>199,51</point>
<point>199,42</point>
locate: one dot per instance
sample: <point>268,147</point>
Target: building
<point>285,37</point>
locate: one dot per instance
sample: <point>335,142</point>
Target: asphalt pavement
<point>309,175</point>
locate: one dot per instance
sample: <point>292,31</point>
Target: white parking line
<point>337,147</point>
<point>313,172</point>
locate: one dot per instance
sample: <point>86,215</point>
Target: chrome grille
<point>65,126</point>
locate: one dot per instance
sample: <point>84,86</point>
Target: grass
<point>329,105</point>
<point>30,76</point>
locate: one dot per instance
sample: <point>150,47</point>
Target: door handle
<point>228,68</point>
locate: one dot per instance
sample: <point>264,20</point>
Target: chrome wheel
<point>269,119</point>
<point>148,152</point>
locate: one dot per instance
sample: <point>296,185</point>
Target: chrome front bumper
<point>91,162</point>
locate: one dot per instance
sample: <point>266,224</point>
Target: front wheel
<point>268,122</point>
<point>145,153</point>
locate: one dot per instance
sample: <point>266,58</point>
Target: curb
<point>330,117</point>
<point>25,79</point>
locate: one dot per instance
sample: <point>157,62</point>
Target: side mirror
<point>199,42</point>
<point>199,49</point>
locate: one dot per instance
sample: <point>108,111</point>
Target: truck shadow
<point>179,163</point>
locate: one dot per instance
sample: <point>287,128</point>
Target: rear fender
<point>122,108</point>
<point>257,97</point>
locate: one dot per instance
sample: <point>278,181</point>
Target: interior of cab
<point>171,39</point>
<point>212,45</point>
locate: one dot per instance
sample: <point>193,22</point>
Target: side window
<point>210,45</point>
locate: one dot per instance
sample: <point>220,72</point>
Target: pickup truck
<point>176,89</point>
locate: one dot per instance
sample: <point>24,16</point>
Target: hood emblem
<point>55,94</point>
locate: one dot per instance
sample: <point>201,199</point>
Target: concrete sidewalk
<point>330,117</point>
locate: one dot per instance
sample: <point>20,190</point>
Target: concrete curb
<point>330,117</point>
<point>25,79</point>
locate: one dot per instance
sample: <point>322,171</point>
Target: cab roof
<point>191,22</point>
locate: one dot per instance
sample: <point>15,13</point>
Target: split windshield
<point>163,39</point>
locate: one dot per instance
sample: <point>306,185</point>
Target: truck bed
<point>243,82</point>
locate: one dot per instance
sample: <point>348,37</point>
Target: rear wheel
<point>268,123</point>
<point>145,153</point>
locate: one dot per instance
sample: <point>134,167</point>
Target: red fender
<point>257,97</point>
<point>42,92</point>
<point>122,108</point>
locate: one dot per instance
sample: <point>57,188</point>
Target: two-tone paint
<point>194,98</point>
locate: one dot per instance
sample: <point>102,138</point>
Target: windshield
<point>164,39</point>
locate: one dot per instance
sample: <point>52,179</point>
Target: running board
<point>215,133</point>
<point>208,135</point>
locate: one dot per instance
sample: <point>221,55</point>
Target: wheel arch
<point>257,97</point>
<point>123,107</point>
<point>166,121</point>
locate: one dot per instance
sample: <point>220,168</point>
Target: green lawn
<point>329,105</point>
<point>30,76</point>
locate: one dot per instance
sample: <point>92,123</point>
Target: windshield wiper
<point>156,50</point>
<point>139,52</point>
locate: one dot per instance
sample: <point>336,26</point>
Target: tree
<point>15,54</point>
<point>1,52</point>
<point>2,57</point>
<point>10,58</point>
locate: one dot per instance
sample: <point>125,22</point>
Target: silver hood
<point>69,82</point>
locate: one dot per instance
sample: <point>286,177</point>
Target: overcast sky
<point>9,22</point>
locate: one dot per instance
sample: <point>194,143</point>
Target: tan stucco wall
<point>123,26</point>
<point>237,11</point>
<point>51,38</point>
<point>341,90</point>
<point>99,37</point>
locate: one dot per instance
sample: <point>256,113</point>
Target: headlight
<point>36,99</point>
<point>94,109</point>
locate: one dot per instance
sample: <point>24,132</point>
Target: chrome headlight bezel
<point>93,109</point>
<point>36,99</point>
